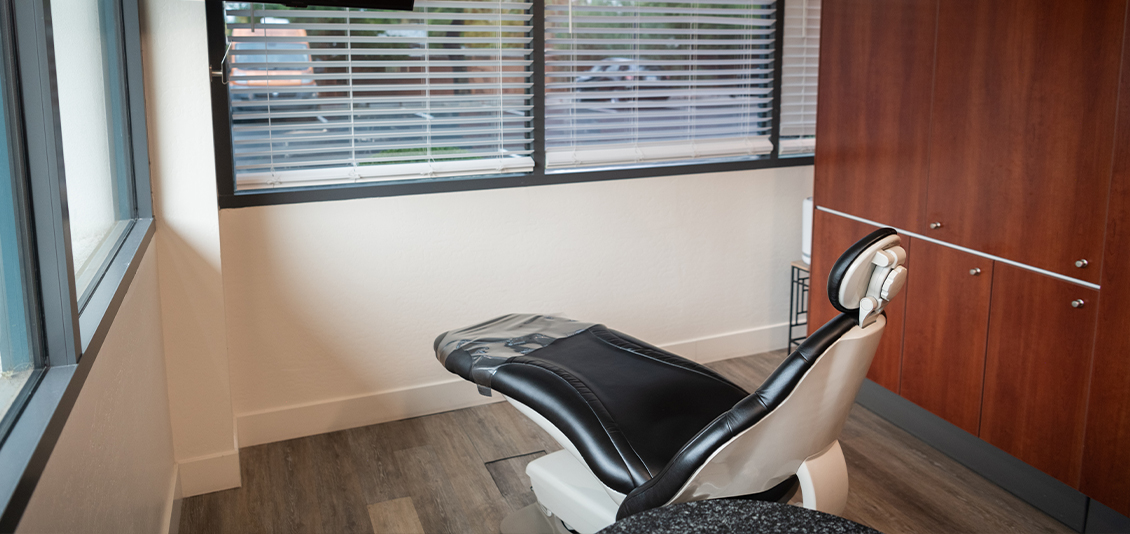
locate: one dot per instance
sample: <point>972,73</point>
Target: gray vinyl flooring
<point>463,471</point>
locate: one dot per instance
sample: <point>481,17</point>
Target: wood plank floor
<point>461,472</point>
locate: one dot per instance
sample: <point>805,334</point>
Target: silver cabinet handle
<point>1077,303</point>
<point>1081,263</point>
<point>935,225</point>
<point>975,271</point>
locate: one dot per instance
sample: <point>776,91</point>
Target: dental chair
<point>642,428</point>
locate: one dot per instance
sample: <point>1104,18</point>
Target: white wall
<point>321,316</point>
<point>332,307</point>
<point>178,109</point>
<point>112,470</point>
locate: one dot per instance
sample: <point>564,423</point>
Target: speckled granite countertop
<point>730,516</point>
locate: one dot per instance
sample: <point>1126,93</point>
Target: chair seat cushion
<point>627,406</point>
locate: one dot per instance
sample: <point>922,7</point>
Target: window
<point>630,82</point>
<point>336,94</point>
<point>468,94</point>
<point>798,85</point>
<point>75,213</point>
<point>18,357</point>
<point>97,165</point>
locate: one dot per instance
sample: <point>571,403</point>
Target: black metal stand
<point>798,305</point>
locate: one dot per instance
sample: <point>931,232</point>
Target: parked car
<point>619,74</point>
<point>284,81</point>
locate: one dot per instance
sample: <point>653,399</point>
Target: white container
<point>806,231</point>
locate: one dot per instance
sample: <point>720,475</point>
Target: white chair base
<point>824,480</point>
<point>568,492</point>
<point>567,488</point>
<point>532,520</point>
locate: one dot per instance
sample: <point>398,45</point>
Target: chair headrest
<point>868,275</point>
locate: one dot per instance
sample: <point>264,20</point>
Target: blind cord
<point>501,95</point>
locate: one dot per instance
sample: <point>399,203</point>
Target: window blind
<point>326,95</point>
<point>631,82</point>
<point>801,59</point>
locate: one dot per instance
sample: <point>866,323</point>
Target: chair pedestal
<point>532,520</point>
<point>567,492</point>
<point>824,480</point>
<point>567,488</point>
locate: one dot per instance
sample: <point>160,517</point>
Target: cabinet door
<point>1106,466</point>
<point>1023,129</point>
<point>876,63</point>
<point>831,236</point>
<point>947,321</point>
<point>1037,368</point>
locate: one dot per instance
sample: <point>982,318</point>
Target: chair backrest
<point>801,408</point>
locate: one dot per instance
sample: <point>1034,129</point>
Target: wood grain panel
<point>947,321</point>
<point>395,516</point>
<point>510,476</point>
<point>1106,465</point>
<point>1023,128</point>
<point>337,489</point>
<point>831,236</point>
<point>898,483</point>
<point>876,66</point>
<point>1036,369</point>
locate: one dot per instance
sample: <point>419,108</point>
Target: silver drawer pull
<point>1077,303</point>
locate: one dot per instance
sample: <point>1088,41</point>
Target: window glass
<point>323,95</point>
<point>16,356</point>
<point>632,82</point>
<point>96,158</point>
<point>799,73</point>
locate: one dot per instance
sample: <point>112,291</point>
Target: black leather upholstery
<point>664,485</point>
<point>627,406</point>
<point>643,419</point>
<point>839,269</point>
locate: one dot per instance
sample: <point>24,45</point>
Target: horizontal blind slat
<point>800,60</point>
<point>656,79</point>
<point>333,94</point>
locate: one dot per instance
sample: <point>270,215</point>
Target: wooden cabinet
<point>999,120</point>
<point>1037,368</point>
<point>944,334</point>
<point>1023,129</point>
<point>831,236</point>
<point>1106,464</point>
<point>873,140</point>
<point>996,349</point>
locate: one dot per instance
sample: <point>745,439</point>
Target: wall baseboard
<point>732,345</point>
<point>351,412</point>
<point>205,474</point>
<point>173,504</point>
<point>340,414</point>
<point>1101,519</point>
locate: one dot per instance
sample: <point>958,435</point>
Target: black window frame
<point>229,197</point>
<point>70,327</point>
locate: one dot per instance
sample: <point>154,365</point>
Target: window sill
<point>25,452</point>
<point>267,197</point>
